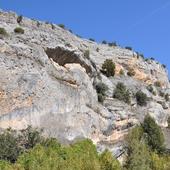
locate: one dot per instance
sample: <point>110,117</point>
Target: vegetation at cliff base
<point>28,150</point>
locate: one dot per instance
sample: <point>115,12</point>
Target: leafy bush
<point>122,93</point>
<point>128,48</point>
<point>97,49</point>
<point>104,42</point>
<point>155,137</point>
<point>158,83</point>
<point>108,68</point>
<point>121,72</point>
<point>19,19</point>
<point>108,162</point>
<point>100,97</point>
<point>87,54</point>
<point>13,143</point>
<point>141,98</point>
<point>3,32</point>
<point>112,44</point>
<point>91,39</point>
<point>131,72</point>
<point>138,156</point>
<point>151,89</point>
<point>19,30</point>
<point>61,26</point>
<point>163,65</point>
<point>9,149</point>
<point>101,89</point>
<point>167,97</point>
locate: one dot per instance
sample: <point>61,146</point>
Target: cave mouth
<point>63,56</point>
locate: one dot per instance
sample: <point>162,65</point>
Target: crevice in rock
<point>63,56</point>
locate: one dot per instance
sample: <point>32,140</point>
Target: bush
<point>131,72</point>
<point>87,54</point>
<point>19,30</point>
<point>100,97</point>
<point>29,137</point>
<point>121,72</point>
<point>104,42</point>
<point>101,89</point>
<point>155,137</point>
<point>3,32</point>
<point>61,26</point>
<point>128,48</point>
<point>13,143</point>
<point>112,44</point>
<point>151,89</point>
<point>9,149</point>
<point>167,97</point>
<point>138,156</point>
<point>91,39</point>
<point>122,93</point>
<point>158,84</point>
<point>19,19</point>
<point>141,98</point>
<point>108,68</point>
<point>108,162</point>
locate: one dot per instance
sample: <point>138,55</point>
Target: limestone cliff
<point>46,81</point>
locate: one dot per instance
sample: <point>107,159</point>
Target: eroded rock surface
<point>46,81</point>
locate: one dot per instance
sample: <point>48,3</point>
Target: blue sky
<point>141,24</point>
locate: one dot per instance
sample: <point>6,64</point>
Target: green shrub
<point>29,137</point>
<point>61,26</point>
<point>87,54</point>
<point>122,93</point>
<point>163,65</point>
<point>161,93</point>
<point>158,84</point>
<point>9,149</point>
<point>141,98</point>
<point>53,26</point>
<point>151,89</point>
<point>19,30</point>
<point>101,89</point>
<point>131,72</point>
<point>104,42</point>
<point>155,137</point>
<point>91,39</point>
<point>3,32</point>
<point>167,97</point>
<point>138,155</point>
<point>121,72</point>
<point>112,44</point>
<point>100,97</point>
<point>13,143</point>
<point>108,68</point>
<point>19,19</point>
<point>108,162</point>
<point>128,48</point>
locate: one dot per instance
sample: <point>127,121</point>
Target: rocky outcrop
<point>46,81</point>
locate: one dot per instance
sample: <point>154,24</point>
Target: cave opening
<point>63,56</point>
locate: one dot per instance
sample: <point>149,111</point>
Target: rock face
<point>46,81</point>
